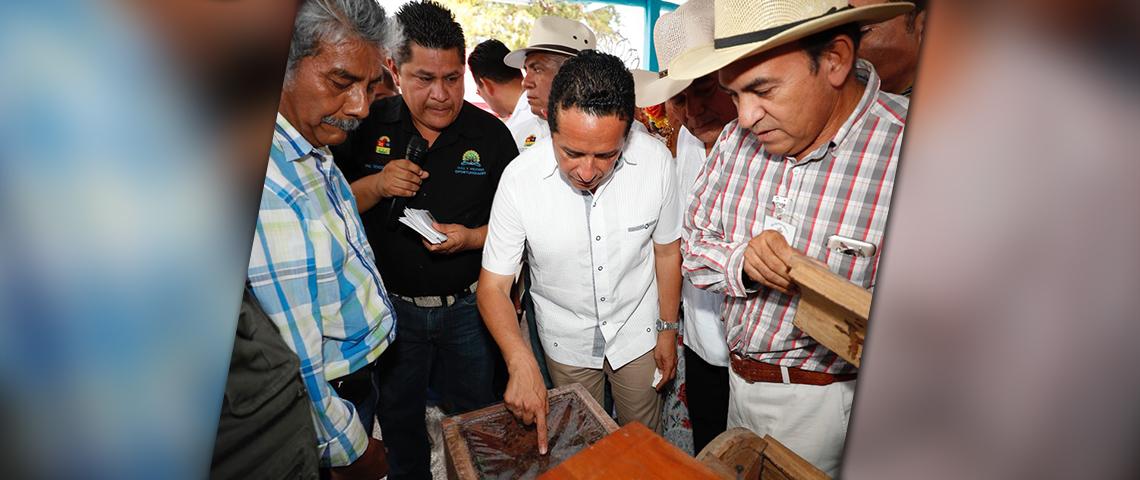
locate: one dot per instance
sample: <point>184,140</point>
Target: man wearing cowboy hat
<point>552,41</point>
<point>700,109</point>
<point>807,168</point>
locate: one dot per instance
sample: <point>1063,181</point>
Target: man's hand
<point>372,464</point>
<point>665,355</point>
<point>526,397</point>
<point>459,239</point>
<point>399,178</point>
<point>767,259</point>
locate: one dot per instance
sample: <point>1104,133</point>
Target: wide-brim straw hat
<point>687,27</point>
<point>744,28</point>
<point>554,35</point>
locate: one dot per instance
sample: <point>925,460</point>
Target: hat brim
<point>517,58</point>
<point>651,89</point>
<point>701,61</point>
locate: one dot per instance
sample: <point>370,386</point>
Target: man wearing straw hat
<point>808,167</point>
<point>552,41</point>
<point>700,109</point>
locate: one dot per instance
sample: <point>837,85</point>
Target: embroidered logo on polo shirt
<point>470,165</point>
<point>529,141</point>
<point>383,145</point>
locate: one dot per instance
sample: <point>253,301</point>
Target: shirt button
<point>603,299</point>
<point>599,269</point>
<point>598,238</point>
<point>603,323</point>
<point>647,329</point>
<point>555,344</point>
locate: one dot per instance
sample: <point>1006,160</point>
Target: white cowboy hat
<point>687,27</point>
<point>556,35</point>
<point>749,27</point>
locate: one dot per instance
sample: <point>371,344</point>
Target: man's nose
<point>356,105</point>
<point>749,111</point>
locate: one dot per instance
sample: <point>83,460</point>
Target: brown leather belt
<point>753,371</point>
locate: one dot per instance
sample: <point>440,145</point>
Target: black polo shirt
<point>464,166</point>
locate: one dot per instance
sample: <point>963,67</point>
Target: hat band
<point>762,35</point>
<point>555,47</point>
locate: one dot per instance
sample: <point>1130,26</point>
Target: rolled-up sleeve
<point>711,261</point>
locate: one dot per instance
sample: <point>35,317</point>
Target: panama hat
<point>748,27</point>
<point>555,35</point>
<point>687,27</point>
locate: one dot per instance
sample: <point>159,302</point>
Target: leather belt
<point>437,301</point>
<point>753,371</point>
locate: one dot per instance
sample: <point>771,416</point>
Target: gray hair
<point>335,20</point>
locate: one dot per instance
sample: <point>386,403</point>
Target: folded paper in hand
<point>421,221</point>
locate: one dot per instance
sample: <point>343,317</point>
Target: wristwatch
<point>663,325</point>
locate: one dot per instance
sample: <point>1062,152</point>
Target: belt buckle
<point>429,302</point>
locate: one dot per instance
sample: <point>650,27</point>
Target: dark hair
<point>594,82</point>
<point>332,21</point>
<point>429,25</point>
<point>486,61</point>
<point>814,45</point>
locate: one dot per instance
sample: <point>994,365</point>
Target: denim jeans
<point>455,342</point>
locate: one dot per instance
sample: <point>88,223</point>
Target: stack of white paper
<point>421,221</point>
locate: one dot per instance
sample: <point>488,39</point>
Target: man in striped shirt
<point>311,267</point>
<point>809,162</point>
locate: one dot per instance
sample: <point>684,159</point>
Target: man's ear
<point>488,86</point>
<point>838,60</point>
<point>393,70</point>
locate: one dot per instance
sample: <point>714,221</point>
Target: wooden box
<point>633,451</point>
<point>492,443</point>
<point>832,310</point>
<point>739,454</point>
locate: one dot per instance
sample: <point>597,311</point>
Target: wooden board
<point>740,454</point>
<point>832,310</point>
<point>633,451</point>
<point>463,457</point>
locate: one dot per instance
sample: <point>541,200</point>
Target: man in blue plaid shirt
<point>311,267</point>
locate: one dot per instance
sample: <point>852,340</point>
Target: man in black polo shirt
<point>431,286</point>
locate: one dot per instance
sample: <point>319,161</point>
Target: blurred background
<point>1003,336</point>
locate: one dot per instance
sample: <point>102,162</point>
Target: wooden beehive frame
<point>832,310</point>
<point>740,454</point>
<point>460,464</point>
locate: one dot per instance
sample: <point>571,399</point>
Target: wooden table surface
<point>631,452</point>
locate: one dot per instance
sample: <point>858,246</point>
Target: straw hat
<point>555,35</point>
<point>748,27</point>
<point>687,27</point>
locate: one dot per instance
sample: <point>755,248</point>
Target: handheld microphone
<point>417,150</point>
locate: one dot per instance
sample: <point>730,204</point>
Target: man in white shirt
<point>701,110</point>
<point>552,41</point>
<point>496,83</point>
<point>596,208</point>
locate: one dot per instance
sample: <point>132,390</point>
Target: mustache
<point>346,124</point>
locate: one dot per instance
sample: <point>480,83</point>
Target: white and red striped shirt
<point>843,188</point>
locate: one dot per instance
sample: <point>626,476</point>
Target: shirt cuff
<point>343,449</point>
<point>738,284</point>
<point>501,268</point>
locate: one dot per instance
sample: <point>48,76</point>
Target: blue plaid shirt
<point>314,273</point>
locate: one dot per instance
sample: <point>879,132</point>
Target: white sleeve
<point>668,227</point>
<point>506,237</point>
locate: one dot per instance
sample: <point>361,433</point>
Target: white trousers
<point>811,420</point>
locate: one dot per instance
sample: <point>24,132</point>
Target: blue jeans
<point>456,343</point>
